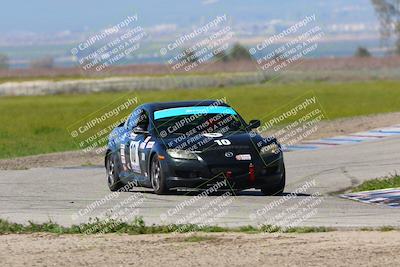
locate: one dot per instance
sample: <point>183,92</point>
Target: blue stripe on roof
<point>172,112</point>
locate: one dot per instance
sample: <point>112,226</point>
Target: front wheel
<point>275,190</point>
<point>157,177</point>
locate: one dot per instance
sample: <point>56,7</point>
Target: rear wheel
<point>158,181</point>
<point>275,190</point>
<point>112,173</point>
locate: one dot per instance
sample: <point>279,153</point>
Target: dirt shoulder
<point>343,248</point>
<point>79,158</point>
<point>61,159</point>
<point>354,124</point>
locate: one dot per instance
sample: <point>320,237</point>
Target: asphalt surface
<point>73,195</point>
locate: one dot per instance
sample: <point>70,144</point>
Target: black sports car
<point>192,145</point>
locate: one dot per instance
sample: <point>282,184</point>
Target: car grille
<point>219,151</point>
<point>236,170</point>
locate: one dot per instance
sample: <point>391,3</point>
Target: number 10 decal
<point>223,142</point>
<point>134,155</point>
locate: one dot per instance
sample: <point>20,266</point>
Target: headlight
<point>181,154</point>
<point>272,148</point>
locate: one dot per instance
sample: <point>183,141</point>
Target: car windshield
<point>195,120</point>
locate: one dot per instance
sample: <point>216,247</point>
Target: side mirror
<point>140,130</point>
<point>254,124</point>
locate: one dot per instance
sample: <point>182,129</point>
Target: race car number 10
<point>223,142</point>
<point>134,155</point>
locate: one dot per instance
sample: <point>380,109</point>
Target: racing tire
<point>112,173</point>
<point>275,190</point>
<point>158,180</point>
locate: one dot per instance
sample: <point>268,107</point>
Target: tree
<point>388,12</point>
<point>46,62</point>
<point>279,57</point>
<point>190,56</point>
<point>362,52</point>
<point>239,52</point>
<point>221,56</point>
<point>4,61</point>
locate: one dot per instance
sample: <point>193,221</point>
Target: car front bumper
<point>256,173</point>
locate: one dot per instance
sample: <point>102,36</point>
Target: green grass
<point>299,230</point>
<point>37,124</point>
<point>379,183</point>
<point>137,226</point>
<point>380,229</point>
<point>386,228</point>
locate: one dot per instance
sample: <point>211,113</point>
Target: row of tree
<point>44,62</point>
<point>237,53</point>
<point>388,12</point>
<point>4,61</point>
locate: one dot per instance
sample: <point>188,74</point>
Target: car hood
<point>230,140</point>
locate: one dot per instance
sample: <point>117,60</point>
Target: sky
<point>45,16</point>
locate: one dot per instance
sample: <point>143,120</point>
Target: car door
<point>128,137</point>
<point>136,144</point>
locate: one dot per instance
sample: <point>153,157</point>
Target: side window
<point>133,120</point>
<point>143,120</point>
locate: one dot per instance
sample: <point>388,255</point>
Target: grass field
<point>379,183</point>
<point>138,226</point>
<point>38,124</point>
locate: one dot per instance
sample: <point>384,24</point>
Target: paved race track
<point>71,195</point>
